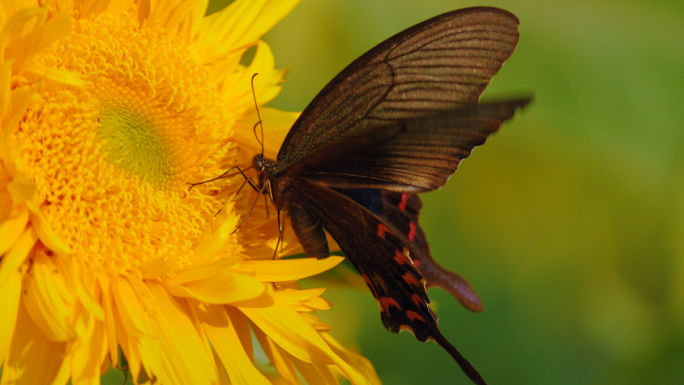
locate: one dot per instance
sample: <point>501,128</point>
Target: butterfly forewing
<point>410,156</point>
<point>442,63</point>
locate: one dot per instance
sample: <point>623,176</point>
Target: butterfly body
<point>394,123</point>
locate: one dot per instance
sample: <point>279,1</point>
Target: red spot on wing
<point>413,315</point>
<point>417,300</point>
<point>404,201</point>
<point>375,294</point>
<point>382,229</point>
<point>389,301</point>
<point>400,258</point>
<point>409,279</point>
<point>416,263</point>
<point>412,232</point>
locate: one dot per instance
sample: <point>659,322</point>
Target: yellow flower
<point>108,110</point>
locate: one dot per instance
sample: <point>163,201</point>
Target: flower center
<point>135,142</point>
<point>113,160</point>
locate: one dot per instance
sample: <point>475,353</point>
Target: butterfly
<point>396,122</point>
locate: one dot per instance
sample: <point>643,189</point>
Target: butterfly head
<point>259,162</point>
<point>265,167</point>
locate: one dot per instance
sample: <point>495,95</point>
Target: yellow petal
<point>186,357</point>
<point>280,360</point>
<point>10,292</point>
<point>18,35</point>
<point>212,246</point>
<point>21,188</point>
<point>291,296</point>
<point>64,371</point>
<point>5,88</point>
<point>168,15</point>
<point>88,353</point>
<point>222,288</point>
<point>56,27</point>
<point>263,300</point>
<point>200,272</point>
<point>224,338</point>
<point>84,289</point>
<point>289,269</point>
<point>118,7</point>
<point>56,75</point>
<point>318,303</point>
<point>92,8</point>
<point>361,363</point>
<point>316,323</point>
<point>50,299</point>
<point>311,373</point>
<point>20,100</point>
<point>265,87</point>
<point>241,325</point>
<point>45,355</point>
<point>158,267</point>
<point>229,25</point>
<point>304,300</point>
<point>287,329</point>
<point>135,334</point>
<point>10,7</point>
<point>223,376</point>
<point>244,21</point>
<point>274,11</point>
<point>16,256</point>
<point>110,320</point>
<point>45,232</point>
<point>11,230</point>
<point>276,126</point>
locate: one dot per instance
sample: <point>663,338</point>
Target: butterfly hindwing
<point>401,211</point>
<point>440,64</point>
<point>383,259</point>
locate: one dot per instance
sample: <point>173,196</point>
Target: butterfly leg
<point>281,236</point>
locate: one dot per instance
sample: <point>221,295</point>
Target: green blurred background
<point>569,223</point>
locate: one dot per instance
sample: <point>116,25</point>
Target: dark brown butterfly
<point>394,123</point>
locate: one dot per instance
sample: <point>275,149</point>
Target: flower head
<point>108,111</point>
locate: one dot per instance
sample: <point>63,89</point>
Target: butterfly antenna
<point>261,142</point>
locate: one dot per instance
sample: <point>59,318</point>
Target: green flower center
<point>135,143</point>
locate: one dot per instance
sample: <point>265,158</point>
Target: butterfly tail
<point>465,365</point>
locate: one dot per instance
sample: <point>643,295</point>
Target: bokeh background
<point>569,223</point>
